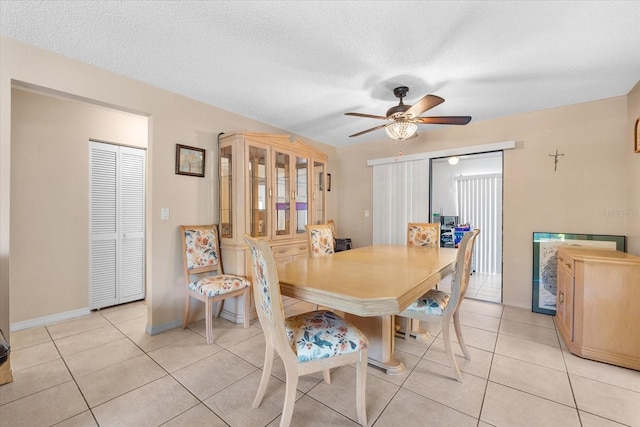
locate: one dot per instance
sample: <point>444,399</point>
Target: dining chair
<point>321,240</point>
<point>306,343</point>
<point>447,305</point>
<point>201,258</point>
<point>423,234</point>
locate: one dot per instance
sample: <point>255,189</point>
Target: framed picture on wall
<point>545,262</point>
<point>190,161</point>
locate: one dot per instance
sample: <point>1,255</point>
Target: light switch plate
<point>164,213</point>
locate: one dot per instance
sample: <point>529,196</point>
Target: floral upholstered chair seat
<point>321,334</point>
<point>433,302</point>
<point>221,284</point>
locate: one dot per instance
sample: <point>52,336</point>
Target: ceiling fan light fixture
<point>401,129</point>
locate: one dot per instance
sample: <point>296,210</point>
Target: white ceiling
<point>301,65</point>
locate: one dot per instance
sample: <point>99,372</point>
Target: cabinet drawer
<point>565,263</point>
<point>291,252</point>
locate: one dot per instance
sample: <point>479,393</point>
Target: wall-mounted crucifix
<point>555,159</point>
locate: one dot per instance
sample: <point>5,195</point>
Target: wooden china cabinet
<point>270,188</point>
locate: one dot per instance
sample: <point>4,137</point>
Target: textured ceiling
<point>301,65</point>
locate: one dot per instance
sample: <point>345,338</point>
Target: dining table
<point>370,285</point>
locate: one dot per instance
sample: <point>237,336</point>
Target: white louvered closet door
<point>116,224</point>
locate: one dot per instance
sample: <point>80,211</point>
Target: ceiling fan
<point>404,118</point>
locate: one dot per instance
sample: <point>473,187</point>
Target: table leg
<point>380,331</point>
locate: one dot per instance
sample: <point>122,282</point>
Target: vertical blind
<point>400,196</point>
<point>480,205</point>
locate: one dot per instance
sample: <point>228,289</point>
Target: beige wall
<point>592,178</point>
<point>172,119</point>
<point>633,213</point>
<point>50,205</point>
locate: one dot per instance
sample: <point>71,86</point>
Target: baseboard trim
<point>46,320</point>
<point>158,329</point>
<point>517,303</point>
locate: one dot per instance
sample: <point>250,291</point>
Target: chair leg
<point>266,374</point>
<point>187,309</point>
<point>447,346</point>
<point>219,308</point>
<point>407,328</point>
<point>456,324</point>
<point>327,376</point>
<point>208,321</point>
<point>361,387</point>
<point>247,307</point>
<point>290,395</point>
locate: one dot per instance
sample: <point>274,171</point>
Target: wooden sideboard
<point>597,304</point>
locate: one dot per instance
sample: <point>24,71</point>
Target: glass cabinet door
<point>258,204</point>
<point>226,192</point>
<point>302,194</point>
<point>319,188</point>
<point>282,184</point>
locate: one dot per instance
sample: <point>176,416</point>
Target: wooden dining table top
<point>374,280</point>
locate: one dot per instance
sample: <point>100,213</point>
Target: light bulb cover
<point>401,129</point>
<point>453,160</point>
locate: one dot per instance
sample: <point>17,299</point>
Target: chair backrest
<point>320,240</point>
<point>332,225</point>
<point>462,271</point>
<point>423,234</point>
<point>200,249</point>
<point>267,296</point>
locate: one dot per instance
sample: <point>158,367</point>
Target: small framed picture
<point>190,161</point>
<point>636,136</point>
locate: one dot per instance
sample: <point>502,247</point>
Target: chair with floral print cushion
<point>321,240</point>
<point>307,343</point>
<point>447,306</point>
<point>423,234</point>
<point>201,257</point>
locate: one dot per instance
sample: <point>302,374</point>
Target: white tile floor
<point>485,287</point>
<point>104,370</point>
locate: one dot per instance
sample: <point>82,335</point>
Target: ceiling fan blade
<point>366,115</point>
<point>367,131</point>
<point>443,120</point>
<point>426,103</point>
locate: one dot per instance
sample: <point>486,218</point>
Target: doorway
<point>116,224</point>
<point>467,190</point>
